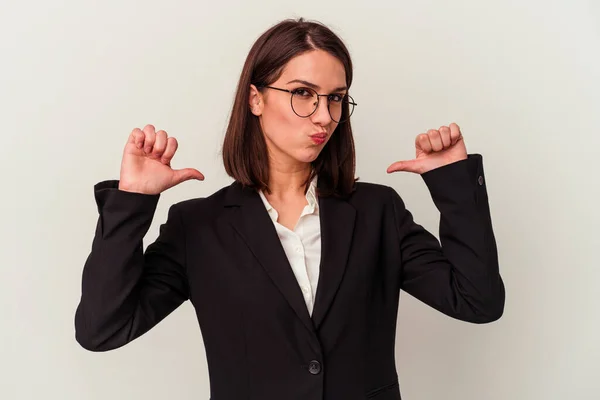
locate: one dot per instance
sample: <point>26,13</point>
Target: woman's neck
<point>288,181</point>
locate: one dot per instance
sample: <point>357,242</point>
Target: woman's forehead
<point>317,67</point>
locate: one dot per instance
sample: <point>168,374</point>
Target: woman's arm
<point>125,292</point>
<point>461,276</point>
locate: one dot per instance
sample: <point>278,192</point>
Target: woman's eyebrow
<point>316,87</point>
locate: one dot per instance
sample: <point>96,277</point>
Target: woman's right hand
<point>146,165</point>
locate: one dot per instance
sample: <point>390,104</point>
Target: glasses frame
<point>291,92</point>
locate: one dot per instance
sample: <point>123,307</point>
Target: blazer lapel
<point>254,225</point>
<point>337,227</point>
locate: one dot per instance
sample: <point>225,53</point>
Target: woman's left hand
<point>434,149</point>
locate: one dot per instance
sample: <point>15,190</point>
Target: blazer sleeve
<point>125,292</point>
<point>459,277</point>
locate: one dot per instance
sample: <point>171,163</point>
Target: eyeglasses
<point>305,101</point>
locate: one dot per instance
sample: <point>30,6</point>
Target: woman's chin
<point>309,155</point>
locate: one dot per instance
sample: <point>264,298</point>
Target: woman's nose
<point>321,115</point>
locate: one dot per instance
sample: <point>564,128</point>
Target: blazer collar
<point>253,224</point>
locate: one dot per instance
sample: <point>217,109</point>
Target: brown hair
<point>244,148</point>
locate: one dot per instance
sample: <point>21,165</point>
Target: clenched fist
<point>146,165</point>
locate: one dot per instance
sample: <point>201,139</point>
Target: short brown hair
<point>244,147</point>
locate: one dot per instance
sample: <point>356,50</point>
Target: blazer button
<point>314,367</point>
<point>480,180</point>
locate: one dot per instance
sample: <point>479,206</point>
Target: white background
<point>521,78</point>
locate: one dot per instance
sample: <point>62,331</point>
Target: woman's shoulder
<point>205,206</point>
<point>372,194</point>
<point>371,189</point>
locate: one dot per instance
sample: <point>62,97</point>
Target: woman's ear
<point>255,101</point>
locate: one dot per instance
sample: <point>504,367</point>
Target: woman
<point>294,269</point>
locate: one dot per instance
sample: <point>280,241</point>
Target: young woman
<point>295,269</point>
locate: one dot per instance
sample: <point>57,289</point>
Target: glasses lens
<point>341,110</point>
<point>304,101</point>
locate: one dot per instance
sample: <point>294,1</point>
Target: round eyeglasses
<point>305,101</point>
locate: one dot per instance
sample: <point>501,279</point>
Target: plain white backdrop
<point>521,78</point>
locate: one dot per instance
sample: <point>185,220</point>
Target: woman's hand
<point>434,149</point>
<point>146,165</point>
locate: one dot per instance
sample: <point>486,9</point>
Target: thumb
<point>185,174</point>
<point>407,166</point>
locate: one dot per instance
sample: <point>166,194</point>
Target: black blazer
<point>223,254</point>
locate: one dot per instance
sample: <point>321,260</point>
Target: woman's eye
<point>302,92</point>
<point>336,98</point>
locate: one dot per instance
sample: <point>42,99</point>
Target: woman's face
<point>291,139</point>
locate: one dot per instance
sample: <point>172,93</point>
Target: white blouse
<point>302,246</point>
